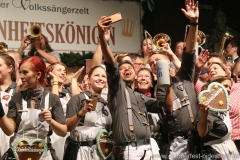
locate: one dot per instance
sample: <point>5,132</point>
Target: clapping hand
<point>202,59</point>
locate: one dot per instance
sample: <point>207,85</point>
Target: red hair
<point>37,65</point>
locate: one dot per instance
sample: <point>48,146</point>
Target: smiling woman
<point>37,101</point>
<point>84,120</point>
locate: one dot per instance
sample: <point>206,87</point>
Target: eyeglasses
<point>139,64</point>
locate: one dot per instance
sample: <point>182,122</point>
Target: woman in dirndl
<point>33,112</point>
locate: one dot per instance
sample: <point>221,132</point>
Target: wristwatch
<point>79,116</point>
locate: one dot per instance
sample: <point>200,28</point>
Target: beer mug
<point>163,77</point>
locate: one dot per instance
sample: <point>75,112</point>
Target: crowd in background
<point>148,121</point>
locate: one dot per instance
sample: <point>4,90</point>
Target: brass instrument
<point>201,38</point>
<point>3,47</point>
<point>159,40</point>
<point>35,32</point>
<point>222,51</point>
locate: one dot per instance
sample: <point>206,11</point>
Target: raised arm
<point>74,84</point>
<point>23,46</point>
<point>167,50</point>
<point>192,13</point>
<point>106,51</point>
<point>97,57</point>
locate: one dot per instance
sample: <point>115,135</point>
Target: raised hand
<point>191,11</point>
<point>77,74</point>
<point>167,50</point>
<point>103,24</point>
<point>25,42</point>
<point>202,58</point>
<point>53,76</point>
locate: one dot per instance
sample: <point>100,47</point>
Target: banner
<point>71,25</point>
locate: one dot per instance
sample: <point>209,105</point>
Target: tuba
<point>3,47</point>
<point>222,50</point>
<point>35,32</point>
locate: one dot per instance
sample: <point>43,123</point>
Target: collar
<point>236,59</point>
<point>13,85</point>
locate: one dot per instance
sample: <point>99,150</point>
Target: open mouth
<point>127,74</point>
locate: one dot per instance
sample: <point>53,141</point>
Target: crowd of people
<point>132,117</point>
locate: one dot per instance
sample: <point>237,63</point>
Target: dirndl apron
<point>94,121</point>
<point>57,141</point>
<point>5,140</point>
<point>31,127</point>
<point>227,148</point>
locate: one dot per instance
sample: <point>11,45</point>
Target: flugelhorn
<point>3,47</point>
<point>159,40</point>
<point>35,32</point>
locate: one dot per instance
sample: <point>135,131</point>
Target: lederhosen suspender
<point>130,118</point>
<point>186,98</point>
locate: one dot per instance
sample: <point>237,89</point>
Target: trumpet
<point>3,47</point>
<point>35,32</point>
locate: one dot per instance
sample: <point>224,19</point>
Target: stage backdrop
<point>70,25</point>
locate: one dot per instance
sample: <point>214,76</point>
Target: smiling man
<point>131,131</point>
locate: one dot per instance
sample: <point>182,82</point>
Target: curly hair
<point>47,47</point>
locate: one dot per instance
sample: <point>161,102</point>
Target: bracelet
<point>193,23</point>
<point>55,84</point>
<point>55,81</point>
<point>79,116</point>
<point>1,111</point>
